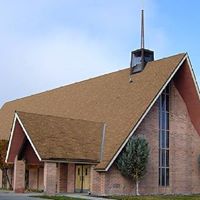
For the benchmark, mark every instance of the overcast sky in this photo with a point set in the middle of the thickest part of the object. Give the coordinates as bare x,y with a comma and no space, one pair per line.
50,43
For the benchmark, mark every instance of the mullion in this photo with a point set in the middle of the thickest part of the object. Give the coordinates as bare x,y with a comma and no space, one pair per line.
163,138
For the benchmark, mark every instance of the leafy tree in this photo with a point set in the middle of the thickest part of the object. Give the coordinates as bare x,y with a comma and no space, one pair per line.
132,162
4,166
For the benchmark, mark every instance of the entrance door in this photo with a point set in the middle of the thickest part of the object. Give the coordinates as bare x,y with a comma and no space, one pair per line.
82,178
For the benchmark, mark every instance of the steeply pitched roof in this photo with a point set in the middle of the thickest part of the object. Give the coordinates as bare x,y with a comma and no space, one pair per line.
58,138
110,98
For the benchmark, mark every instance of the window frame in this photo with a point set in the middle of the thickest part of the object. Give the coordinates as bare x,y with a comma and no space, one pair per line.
164,110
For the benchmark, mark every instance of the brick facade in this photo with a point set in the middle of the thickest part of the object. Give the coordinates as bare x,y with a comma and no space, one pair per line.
41,179
53,178
97,183
62,178
184,151
36,178
71,177
19,176
59,178
50,178
33,178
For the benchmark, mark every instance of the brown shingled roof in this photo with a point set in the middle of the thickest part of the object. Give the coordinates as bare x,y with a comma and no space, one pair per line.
63,138
109,98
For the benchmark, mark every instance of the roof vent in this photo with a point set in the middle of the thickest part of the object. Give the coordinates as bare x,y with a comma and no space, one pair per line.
140,57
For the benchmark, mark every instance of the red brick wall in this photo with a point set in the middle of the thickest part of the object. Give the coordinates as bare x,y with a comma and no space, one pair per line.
50,178
71,177
19,176
97,183
62,178
118,184
41,178
94,183
36,178
184,151
114,186
33,178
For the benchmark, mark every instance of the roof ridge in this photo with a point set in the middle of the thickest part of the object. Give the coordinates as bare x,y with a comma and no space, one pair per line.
55,116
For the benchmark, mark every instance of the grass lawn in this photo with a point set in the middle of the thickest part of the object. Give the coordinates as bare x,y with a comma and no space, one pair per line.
179,197
163,197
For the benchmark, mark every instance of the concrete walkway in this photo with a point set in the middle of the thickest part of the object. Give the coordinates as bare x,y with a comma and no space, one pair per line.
84,196
9,195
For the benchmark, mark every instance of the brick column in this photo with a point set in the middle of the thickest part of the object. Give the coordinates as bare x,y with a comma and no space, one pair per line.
98,182
103,183
19,176
50,178
70,177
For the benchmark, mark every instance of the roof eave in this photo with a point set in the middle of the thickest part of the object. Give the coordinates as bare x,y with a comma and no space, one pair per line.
77,161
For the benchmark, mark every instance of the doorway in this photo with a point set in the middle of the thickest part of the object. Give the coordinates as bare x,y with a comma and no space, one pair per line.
82,183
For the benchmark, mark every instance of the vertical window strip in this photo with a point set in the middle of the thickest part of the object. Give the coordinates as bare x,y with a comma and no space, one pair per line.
164,138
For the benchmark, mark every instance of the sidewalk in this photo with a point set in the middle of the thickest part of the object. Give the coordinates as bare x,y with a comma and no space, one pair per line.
84,196
27,195
9,195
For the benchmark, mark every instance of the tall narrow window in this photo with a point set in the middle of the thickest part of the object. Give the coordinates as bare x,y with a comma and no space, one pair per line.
164,138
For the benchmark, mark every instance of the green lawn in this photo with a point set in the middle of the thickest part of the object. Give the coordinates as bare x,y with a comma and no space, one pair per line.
179,197
193,197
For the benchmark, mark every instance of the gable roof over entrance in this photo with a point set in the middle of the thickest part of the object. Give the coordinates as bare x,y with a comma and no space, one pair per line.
58,138
110,98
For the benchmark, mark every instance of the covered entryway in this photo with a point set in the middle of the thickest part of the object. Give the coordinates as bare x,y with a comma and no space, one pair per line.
28,169
82,180
51,153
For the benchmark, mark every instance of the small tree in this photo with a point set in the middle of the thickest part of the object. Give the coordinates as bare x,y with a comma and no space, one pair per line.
4,166
133,160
